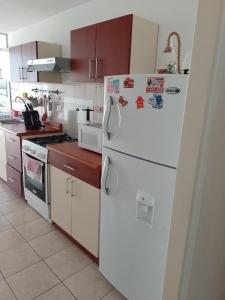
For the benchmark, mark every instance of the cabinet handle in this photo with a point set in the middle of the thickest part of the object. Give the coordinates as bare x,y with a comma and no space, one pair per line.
96,68
11,179
67,187
11,157
70,168
12,140
91,76
20,73
72,188
23,77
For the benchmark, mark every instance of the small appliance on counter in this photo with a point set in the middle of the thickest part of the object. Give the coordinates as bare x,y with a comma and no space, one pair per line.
90,136
84,115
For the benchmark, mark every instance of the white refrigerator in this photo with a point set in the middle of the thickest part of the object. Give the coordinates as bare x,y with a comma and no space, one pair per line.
142,126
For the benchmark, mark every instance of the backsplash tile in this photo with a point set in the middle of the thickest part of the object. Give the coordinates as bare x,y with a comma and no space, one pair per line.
72,96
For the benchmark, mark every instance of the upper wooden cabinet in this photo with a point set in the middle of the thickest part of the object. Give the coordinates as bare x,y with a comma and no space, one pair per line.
19,55
119,46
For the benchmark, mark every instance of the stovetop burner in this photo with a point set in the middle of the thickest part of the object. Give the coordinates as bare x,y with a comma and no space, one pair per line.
53,139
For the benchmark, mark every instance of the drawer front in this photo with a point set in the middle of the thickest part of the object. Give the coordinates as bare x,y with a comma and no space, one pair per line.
14,180
76,169
13,151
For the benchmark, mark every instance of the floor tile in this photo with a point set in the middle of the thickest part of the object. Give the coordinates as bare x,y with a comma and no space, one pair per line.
57,293
22,216
67,262
9,239
34,229
50,243
4,224
32,281
5,291
17,259
6,196
88,284
1,276
114,295
12,206
4,187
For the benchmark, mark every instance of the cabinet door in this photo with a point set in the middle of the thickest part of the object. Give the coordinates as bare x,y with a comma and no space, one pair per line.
29,51
85,215
60,198
3,160
83,53
16,63
113,47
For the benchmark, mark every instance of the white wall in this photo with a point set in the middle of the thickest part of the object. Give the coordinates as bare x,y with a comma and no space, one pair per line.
172,15
204,270
207,268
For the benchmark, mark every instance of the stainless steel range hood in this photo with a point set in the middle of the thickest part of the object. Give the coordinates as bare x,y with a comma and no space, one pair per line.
51,64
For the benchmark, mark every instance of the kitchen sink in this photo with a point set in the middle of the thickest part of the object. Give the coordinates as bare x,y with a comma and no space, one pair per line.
12,121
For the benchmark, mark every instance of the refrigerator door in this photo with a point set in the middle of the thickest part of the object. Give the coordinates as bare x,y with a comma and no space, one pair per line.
145,120
136,207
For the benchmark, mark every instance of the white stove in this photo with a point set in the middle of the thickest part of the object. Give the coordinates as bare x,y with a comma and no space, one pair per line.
35,171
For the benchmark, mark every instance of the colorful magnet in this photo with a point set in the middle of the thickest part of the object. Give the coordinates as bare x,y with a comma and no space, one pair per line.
140,102
155,85
156,101
110,85
122,101
116,86
113,86
128,83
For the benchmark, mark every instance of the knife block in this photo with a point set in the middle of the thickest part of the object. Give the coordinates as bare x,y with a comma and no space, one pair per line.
31,119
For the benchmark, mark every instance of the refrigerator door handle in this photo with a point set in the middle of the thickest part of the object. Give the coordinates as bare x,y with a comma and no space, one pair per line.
105,175
106,117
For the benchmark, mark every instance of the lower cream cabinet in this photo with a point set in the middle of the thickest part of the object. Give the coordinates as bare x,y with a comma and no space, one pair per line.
60,199
75,207
3,160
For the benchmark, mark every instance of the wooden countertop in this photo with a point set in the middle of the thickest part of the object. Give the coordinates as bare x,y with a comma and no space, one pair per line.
72,151
20,130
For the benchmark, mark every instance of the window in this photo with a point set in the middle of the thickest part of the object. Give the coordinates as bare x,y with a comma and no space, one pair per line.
5,102
3,41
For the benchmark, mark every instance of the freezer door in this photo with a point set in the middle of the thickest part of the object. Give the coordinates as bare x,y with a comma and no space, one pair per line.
143,123
136,207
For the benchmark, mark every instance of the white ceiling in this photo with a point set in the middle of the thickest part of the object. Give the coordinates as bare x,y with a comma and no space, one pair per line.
15,14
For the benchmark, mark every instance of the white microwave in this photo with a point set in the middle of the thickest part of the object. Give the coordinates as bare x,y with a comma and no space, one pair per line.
90,137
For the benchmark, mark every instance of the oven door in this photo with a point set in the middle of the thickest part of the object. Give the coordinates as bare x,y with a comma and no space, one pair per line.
35,176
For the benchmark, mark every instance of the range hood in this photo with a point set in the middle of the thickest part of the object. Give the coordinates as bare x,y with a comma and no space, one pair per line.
51,64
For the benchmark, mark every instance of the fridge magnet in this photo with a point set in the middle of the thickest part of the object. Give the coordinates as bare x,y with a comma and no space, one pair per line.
173,90
122,101
116,86
155,85
110,85
156,101
140,102
128,83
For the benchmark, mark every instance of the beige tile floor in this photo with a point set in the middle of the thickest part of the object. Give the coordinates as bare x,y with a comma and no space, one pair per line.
38,262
